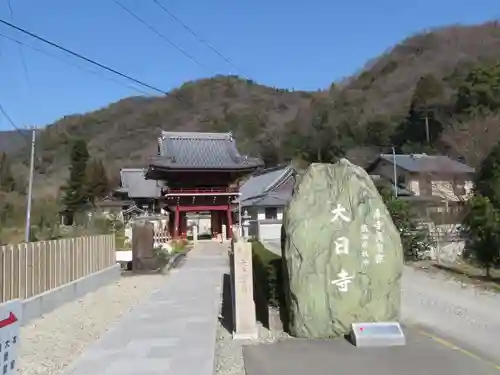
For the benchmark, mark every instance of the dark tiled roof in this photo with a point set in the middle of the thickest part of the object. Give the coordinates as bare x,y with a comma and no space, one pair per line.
428,163
258,190
186,150
136,185
263,181
269,200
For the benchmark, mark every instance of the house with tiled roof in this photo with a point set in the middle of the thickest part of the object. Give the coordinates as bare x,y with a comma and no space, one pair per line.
426,175
437,183
138,195
264,197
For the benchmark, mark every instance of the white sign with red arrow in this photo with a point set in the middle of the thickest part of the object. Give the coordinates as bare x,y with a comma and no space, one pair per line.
10,323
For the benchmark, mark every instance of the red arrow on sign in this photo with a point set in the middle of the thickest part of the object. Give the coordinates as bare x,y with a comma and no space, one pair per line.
11,319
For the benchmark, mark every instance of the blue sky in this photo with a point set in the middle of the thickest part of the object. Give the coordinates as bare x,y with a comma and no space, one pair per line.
283,43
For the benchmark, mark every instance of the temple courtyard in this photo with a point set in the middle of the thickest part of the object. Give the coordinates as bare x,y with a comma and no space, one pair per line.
183,326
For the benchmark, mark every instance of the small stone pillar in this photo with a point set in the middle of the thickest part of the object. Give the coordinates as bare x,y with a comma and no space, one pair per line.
195,233
245,322
224,233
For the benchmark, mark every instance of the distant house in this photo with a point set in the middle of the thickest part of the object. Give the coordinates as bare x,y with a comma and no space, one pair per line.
264,196
438,182
140,196
427,175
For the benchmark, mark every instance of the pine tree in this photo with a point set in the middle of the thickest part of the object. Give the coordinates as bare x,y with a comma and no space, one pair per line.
75,195
7,181
97,183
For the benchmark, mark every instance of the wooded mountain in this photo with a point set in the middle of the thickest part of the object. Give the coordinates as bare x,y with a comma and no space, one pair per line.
433,76
12,140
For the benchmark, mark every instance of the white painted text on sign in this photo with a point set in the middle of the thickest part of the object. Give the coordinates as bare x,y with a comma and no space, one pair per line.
342,245
343,281
340,213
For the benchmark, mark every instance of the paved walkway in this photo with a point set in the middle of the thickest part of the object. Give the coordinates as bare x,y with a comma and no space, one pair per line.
174,332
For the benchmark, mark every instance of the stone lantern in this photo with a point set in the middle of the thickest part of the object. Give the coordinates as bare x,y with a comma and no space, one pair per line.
245,223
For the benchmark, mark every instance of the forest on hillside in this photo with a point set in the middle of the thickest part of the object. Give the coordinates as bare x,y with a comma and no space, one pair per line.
435,92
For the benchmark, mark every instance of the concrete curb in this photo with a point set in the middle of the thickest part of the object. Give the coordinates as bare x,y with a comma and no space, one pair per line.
44,303
174,261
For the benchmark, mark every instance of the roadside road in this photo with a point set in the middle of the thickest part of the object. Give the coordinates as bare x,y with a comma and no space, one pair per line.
464,314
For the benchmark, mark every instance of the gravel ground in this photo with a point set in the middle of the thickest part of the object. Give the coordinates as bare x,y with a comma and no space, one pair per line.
52,342
460,311
228,352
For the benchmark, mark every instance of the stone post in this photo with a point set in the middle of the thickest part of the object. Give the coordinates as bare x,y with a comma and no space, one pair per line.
143,256
224,233
195,233
245,323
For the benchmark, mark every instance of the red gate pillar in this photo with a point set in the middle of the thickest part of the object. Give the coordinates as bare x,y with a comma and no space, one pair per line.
183,224
229,222
176,223
212,223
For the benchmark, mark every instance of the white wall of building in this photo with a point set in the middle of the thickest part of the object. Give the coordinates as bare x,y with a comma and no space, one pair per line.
265,222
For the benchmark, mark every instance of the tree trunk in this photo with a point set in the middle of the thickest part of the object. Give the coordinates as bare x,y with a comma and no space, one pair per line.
488,272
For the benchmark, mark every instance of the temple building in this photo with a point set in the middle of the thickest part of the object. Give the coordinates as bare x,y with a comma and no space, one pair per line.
199,172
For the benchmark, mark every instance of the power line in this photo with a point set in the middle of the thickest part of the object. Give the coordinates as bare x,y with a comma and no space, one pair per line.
21,52
93,62
72,64
193,33
12,123
165,38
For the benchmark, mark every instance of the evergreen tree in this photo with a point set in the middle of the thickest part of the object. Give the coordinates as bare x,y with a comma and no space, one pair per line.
97,183
482,232
75,195
487,181
7,181
480,90
423,116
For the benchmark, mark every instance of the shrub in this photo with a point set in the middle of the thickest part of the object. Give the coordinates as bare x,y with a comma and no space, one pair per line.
179,245
267,275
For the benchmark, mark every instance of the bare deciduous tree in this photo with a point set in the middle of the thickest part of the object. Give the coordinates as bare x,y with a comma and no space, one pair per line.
472,138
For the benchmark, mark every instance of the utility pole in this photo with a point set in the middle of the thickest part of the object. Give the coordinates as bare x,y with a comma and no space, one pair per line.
395,171
427,133
30,187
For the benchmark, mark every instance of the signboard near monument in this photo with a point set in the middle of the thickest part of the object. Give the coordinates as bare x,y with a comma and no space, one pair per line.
377,334
10,323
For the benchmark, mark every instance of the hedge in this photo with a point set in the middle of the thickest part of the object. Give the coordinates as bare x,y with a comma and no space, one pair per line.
267,275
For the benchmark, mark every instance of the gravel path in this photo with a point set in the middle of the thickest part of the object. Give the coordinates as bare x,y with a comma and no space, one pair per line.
462,312
52,342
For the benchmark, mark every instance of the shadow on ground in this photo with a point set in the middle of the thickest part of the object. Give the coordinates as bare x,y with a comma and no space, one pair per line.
226,316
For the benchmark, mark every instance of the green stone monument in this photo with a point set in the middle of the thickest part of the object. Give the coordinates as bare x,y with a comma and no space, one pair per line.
343,257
